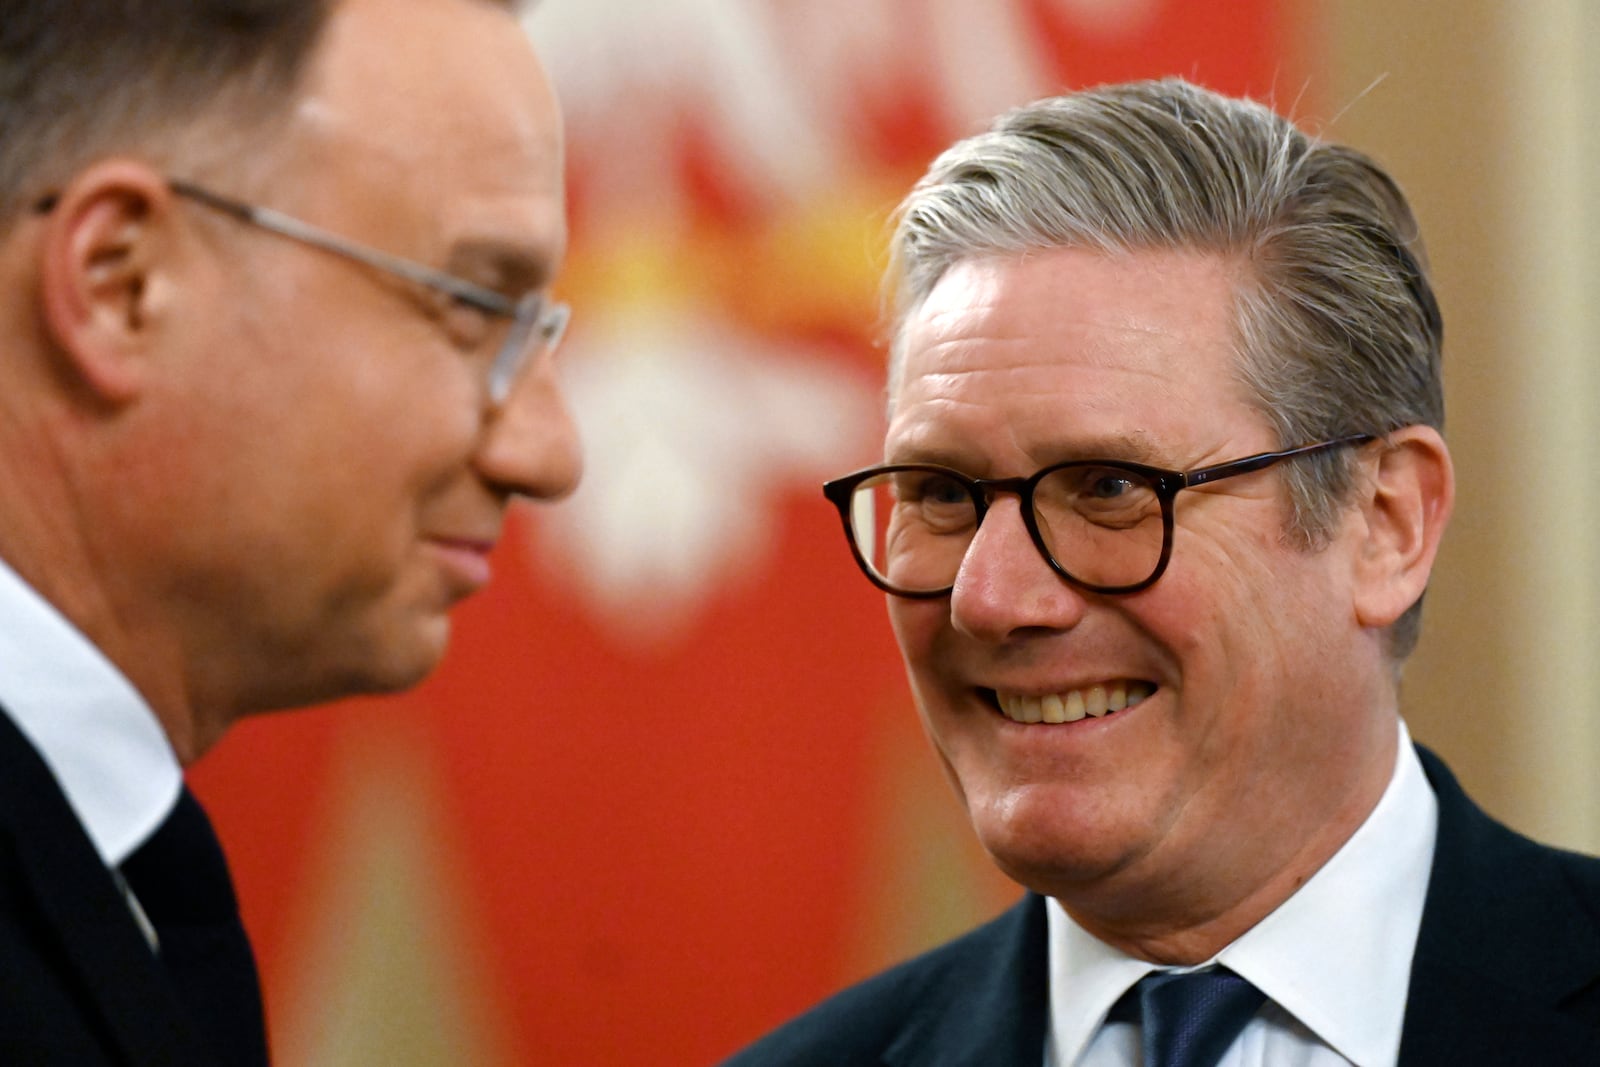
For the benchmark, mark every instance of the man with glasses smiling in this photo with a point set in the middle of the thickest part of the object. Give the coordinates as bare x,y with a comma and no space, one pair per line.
277,356
1163,485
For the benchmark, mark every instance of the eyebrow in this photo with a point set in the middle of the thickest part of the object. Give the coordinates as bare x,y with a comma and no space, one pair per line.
511,267
1134,446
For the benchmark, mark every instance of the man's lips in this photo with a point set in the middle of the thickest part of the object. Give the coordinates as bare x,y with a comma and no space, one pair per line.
465,559
1091,701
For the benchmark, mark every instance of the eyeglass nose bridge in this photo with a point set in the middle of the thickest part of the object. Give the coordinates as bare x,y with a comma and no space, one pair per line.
984,492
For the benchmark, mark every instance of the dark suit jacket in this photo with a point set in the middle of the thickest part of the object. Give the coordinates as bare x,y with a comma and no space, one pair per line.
79,984
1507,971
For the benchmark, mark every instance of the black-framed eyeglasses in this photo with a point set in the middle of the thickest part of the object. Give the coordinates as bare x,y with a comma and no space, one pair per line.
1103,525
534,325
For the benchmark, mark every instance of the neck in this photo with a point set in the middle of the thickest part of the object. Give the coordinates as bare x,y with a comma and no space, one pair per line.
58,566
1188,920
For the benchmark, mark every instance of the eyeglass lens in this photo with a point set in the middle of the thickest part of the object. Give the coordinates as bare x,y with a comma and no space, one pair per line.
537,328
1102,525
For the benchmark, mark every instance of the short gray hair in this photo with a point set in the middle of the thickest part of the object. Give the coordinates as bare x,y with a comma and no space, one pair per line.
1338,329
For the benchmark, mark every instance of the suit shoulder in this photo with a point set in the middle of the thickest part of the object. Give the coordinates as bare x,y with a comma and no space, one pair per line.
1581,872
1476,851
852,1028
1502,904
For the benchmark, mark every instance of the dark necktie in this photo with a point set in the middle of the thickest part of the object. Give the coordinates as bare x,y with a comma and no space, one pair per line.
1188,1020
180,879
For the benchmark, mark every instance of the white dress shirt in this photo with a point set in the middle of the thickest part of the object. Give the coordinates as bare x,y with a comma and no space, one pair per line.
1334,959
99,738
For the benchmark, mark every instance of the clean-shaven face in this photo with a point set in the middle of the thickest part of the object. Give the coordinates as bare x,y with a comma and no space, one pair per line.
1215,727
349,474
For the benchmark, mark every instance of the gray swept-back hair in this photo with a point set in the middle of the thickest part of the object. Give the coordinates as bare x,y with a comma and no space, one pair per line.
1338,332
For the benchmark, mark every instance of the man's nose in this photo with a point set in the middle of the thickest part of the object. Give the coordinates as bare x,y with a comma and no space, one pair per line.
1005,585
530,446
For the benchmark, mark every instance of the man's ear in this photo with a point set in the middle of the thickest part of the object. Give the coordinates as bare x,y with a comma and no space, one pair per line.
1406,501
100,256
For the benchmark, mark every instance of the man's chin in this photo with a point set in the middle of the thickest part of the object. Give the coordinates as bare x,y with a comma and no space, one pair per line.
1038,842
389,663
409,663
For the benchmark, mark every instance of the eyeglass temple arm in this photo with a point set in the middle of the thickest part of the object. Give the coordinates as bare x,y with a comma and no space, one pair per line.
1267,459
288,226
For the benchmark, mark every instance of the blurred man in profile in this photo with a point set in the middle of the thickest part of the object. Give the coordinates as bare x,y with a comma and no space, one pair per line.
1163,486
276,356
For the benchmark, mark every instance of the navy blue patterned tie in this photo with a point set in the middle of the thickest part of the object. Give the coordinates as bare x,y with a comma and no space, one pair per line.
1189,1020
180,878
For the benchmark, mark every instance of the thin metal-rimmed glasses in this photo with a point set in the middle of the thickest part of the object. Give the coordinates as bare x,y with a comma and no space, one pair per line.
535,324
1103,525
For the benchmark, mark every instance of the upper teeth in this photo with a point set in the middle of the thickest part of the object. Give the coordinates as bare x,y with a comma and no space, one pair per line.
1095,700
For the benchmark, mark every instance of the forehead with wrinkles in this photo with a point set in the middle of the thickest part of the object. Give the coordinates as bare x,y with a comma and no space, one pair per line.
1074,345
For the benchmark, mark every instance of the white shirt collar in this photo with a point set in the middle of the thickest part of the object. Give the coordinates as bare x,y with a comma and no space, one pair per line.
97,735
1345,980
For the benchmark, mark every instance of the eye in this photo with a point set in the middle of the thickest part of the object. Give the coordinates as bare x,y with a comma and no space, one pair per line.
929,490
933,502
469,326
1110,485
1094,484
936,490
1103,495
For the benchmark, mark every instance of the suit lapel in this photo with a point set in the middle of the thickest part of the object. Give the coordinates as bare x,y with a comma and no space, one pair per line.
989,1008
1503,944
86,913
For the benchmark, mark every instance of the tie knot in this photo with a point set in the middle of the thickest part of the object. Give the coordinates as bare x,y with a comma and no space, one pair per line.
180,875
1188,1019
